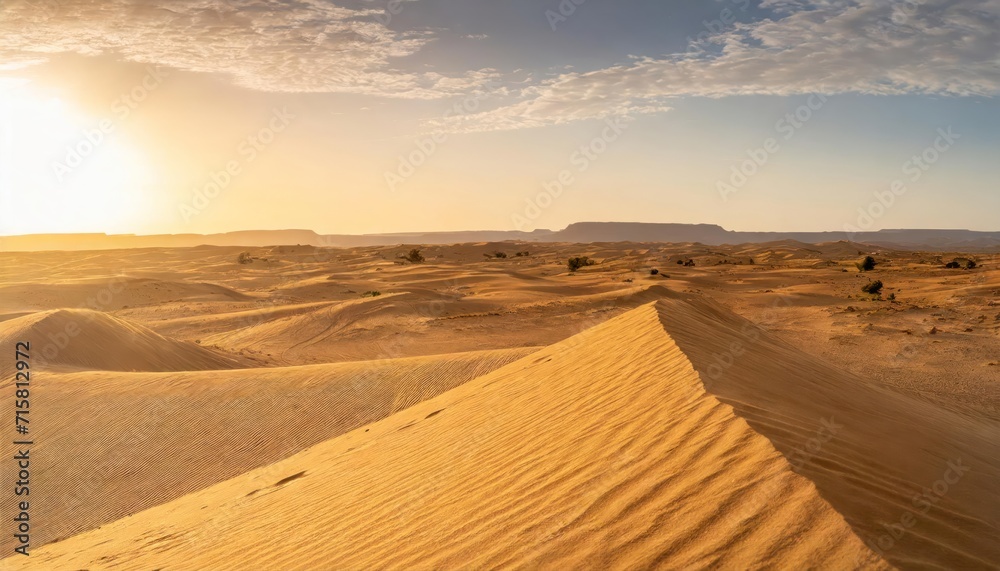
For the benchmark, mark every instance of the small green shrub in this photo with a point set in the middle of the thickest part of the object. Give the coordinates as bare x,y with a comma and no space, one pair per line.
874,288
414,256
867,265
578,262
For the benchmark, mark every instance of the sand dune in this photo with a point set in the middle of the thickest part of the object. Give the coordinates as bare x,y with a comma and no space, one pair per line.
86,339
307,336
140,439
109,294
869,450
602,451
592,455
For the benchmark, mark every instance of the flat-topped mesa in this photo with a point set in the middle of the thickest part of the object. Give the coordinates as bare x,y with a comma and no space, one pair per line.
643,232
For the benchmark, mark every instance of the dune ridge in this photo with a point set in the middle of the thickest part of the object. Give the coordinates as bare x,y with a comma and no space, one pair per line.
601,451
88,339
870,450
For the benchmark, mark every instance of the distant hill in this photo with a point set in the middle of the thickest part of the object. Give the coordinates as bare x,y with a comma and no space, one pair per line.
713,235
583,232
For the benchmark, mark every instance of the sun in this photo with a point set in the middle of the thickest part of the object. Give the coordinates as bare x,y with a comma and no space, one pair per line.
64,171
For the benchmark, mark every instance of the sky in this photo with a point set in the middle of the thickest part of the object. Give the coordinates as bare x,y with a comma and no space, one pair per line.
358,116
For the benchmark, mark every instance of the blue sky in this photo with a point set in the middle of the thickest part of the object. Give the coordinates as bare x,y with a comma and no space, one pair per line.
448,114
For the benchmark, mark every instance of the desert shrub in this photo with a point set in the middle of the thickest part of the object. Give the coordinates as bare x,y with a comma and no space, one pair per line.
874,288
654,271
244,258
372,293
866,265
579,262
961,263
414,256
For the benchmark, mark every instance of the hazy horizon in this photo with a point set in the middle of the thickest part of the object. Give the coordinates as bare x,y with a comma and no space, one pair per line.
356,117
471,230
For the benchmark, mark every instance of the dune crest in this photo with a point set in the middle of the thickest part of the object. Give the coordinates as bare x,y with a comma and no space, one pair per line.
875,454
87,339
602,451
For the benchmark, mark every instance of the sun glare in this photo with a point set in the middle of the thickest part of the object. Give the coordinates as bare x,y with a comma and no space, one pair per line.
60,173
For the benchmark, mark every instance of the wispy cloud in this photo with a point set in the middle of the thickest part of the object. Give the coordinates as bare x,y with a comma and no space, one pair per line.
269,45
940,47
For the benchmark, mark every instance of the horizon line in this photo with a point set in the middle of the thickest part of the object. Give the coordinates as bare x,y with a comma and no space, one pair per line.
512,231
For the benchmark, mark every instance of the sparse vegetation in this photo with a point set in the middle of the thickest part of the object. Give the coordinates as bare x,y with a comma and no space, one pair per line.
874,288
244,258
414,256
961,263
867,265
372,293
579,262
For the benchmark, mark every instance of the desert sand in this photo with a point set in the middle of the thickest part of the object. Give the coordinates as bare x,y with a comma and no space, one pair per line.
752,410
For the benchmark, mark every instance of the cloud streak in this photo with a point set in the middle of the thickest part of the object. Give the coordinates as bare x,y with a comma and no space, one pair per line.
930,47
267,45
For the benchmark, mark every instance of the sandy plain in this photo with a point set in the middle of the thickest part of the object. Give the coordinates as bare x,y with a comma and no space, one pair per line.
753,410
